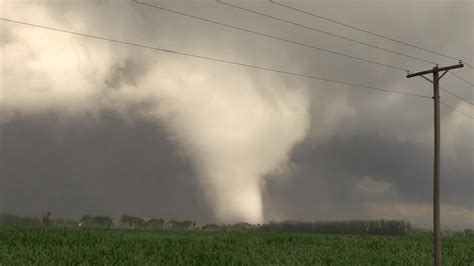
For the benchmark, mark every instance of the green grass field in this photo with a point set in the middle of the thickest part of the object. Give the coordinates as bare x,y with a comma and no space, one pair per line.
145,247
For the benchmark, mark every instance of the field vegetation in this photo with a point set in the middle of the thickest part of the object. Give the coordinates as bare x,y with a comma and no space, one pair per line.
134,240
53,246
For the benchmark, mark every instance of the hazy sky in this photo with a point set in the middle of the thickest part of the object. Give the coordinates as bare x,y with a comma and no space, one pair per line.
93,127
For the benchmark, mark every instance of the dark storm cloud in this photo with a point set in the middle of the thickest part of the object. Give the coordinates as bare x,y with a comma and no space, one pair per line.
344,160
116,165
109,167
328,177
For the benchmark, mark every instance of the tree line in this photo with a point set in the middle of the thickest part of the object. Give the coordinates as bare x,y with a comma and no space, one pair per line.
371,227
89,221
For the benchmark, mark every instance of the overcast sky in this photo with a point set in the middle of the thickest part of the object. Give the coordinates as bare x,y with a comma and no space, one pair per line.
93,127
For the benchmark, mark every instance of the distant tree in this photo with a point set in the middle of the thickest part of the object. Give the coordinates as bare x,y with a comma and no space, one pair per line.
60,222
139,222
126,221
211,227
102,221
382,227
46,219
242,226
86,221
182,225
155,223
132,222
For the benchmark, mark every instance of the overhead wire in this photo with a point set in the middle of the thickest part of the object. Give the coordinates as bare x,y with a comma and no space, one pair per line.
324,32
224,61
278,38
271,36
457,110
366,31
469,65
214,59
457,96
297,24
371,33
461,78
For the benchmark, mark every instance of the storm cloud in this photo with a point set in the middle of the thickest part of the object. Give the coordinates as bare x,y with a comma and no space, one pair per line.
80,133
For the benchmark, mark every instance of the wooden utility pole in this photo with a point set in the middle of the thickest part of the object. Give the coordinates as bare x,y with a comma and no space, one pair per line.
436,185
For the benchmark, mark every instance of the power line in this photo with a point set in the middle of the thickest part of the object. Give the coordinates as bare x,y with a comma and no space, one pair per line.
225,61
272,36
285,40
164,50
366,31
457,96
328,33
470,66
468,82
325,32
461,79
457,110
375,34
278,38
214,59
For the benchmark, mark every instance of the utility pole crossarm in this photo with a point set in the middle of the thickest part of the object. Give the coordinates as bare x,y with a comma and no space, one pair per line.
430,71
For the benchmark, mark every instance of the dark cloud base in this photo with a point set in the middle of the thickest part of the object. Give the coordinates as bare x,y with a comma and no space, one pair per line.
109,165
326,177
106,167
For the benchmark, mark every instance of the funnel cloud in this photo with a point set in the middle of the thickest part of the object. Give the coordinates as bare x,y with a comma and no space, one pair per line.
236,133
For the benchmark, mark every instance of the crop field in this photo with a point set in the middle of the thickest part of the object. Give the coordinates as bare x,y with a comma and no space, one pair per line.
144,247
